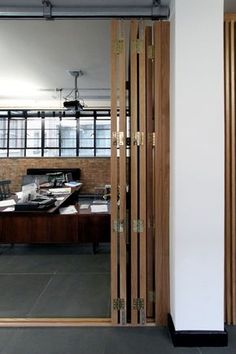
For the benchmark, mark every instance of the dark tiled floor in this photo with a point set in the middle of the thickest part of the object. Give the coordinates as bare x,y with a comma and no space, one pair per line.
99,341
54,281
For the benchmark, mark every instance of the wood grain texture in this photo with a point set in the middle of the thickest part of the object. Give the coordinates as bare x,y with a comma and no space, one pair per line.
134,168
122,174
230,167
150,174
142,174
162,35
233,167
114,172
228,284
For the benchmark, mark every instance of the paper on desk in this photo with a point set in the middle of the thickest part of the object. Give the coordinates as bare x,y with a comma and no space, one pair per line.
7,202
60,198
19,195
9,209
73,184
99,208
84,206
60,190
68,210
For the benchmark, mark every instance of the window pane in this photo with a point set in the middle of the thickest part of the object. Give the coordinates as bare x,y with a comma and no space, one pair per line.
103,124
52,123
33,152
68,123
51,134
68,152
16,143
51,152
103,134
34,134
68,143
51,142
86,152
16,153
3,142
103,152
68,133
34,143
103,143
3,153
34,123
86,142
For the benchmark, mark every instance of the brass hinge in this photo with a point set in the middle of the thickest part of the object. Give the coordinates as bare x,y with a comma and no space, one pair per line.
138,138
118,304
118,138
138,225
118,46
118,226
138,304
151,52
138,45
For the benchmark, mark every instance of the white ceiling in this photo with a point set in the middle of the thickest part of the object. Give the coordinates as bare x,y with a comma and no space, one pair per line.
37,55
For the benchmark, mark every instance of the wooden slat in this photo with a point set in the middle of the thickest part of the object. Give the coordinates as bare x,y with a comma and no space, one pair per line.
161,38
233,168
228,285
114,184
150,171
230,16
134,169
122,175
142,172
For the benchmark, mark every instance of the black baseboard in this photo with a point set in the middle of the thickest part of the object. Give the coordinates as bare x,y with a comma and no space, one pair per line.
197,338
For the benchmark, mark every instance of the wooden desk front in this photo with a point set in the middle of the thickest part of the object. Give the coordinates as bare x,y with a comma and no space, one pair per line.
47,227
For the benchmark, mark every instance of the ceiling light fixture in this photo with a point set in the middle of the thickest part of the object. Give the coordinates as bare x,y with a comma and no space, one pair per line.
75,105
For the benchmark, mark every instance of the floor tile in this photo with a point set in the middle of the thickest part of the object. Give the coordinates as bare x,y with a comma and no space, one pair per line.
57,341
231,349
18,293
6,336
95,263
75,295
149,340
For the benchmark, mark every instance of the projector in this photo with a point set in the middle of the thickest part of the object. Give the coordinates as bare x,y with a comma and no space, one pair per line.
73,105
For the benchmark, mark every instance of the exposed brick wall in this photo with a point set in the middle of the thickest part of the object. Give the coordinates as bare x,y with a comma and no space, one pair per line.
94,171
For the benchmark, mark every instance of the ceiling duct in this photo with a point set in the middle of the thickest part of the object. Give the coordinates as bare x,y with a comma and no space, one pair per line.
47,11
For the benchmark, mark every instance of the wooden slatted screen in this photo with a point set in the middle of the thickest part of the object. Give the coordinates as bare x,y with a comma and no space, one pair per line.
230,169
141,258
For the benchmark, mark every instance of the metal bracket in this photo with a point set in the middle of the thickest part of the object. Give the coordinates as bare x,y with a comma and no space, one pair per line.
138,45
151,52
138,304
138,225
153,139
138,138
47,9
118,304
118,226
118,46
118,138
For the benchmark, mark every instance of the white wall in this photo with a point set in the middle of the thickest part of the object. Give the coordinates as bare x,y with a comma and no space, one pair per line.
197,165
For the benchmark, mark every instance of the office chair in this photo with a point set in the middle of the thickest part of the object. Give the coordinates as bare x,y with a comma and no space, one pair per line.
5,189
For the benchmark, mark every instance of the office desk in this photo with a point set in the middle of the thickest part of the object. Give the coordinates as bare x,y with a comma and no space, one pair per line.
51,227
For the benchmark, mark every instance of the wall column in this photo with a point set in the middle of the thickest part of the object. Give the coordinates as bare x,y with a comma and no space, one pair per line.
197,173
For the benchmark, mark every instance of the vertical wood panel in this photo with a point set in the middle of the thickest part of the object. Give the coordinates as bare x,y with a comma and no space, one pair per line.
134,170
228,287
162,33
150,170
114,184
233,168
230,169
122,172
142,172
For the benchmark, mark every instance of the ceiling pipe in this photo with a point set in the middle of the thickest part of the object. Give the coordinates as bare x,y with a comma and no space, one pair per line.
155,12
